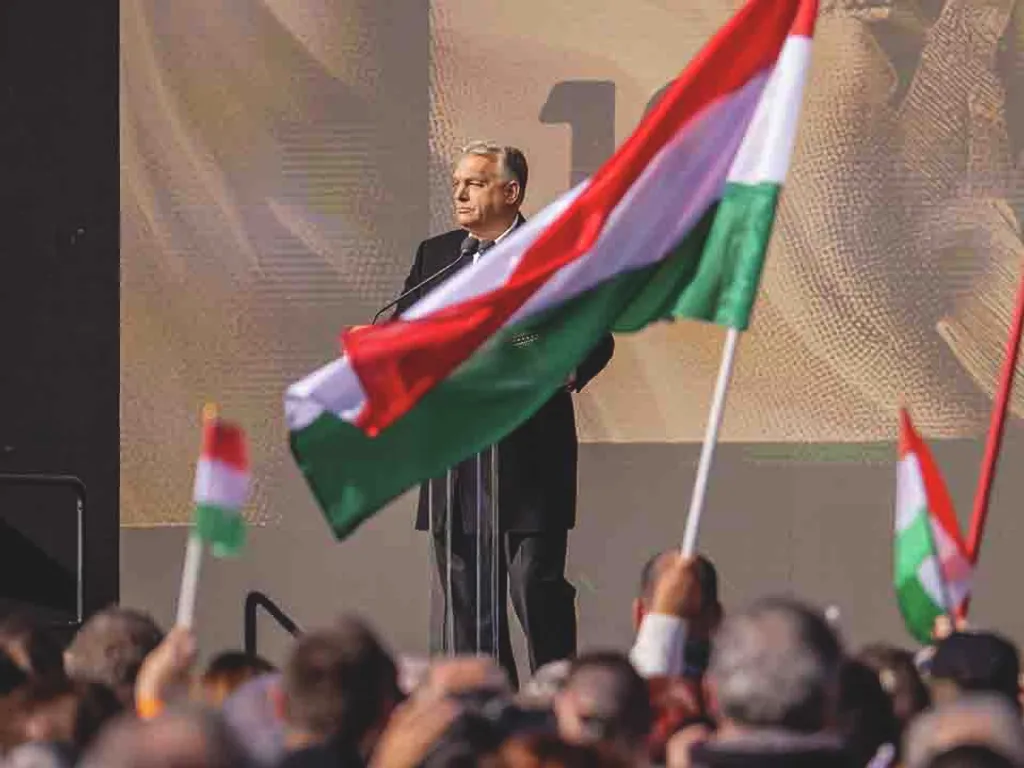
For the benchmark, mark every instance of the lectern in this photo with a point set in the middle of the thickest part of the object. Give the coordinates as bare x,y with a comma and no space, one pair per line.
463,508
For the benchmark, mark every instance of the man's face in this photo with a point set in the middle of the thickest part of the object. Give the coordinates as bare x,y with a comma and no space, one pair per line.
483,198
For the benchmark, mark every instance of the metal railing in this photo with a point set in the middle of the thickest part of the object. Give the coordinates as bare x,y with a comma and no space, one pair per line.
253,602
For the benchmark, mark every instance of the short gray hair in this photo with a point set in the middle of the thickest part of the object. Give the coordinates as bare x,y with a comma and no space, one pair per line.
511,160
980,719
776,665
110,648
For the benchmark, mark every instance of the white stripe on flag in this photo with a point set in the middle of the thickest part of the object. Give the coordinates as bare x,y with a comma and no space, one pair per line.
911,500
768,145
220,485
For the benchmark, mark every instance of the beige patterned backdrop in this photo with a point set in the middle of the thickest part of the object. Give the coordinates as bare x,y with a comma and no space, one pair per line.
282,158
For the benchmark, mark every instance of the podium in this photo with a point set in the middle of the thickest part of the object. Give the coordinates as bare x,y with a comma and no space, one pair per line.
467,597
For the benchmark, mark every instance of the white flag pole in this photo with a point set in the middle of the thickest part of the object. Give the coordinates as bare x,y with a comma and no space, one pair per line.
190,582
193,557
707,451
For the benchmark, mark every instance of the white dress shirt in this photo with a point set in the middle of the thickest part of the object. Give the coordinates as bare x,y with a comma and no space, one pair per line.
476,256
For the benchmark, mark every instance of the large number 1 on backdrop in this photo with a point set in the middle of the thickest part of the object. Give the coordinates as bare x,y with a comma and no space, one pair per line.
588,108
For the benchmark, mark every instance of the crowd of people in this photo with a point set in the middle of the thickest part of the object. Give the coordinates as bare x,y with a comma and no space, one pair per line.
769,684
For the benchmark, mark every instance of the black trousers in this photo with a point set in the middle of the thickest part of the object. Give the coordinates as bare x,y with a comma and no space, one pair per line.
531,568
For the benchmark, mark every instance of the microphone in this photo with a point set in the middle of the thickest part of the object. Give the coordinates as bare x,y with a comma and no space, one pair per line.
469,246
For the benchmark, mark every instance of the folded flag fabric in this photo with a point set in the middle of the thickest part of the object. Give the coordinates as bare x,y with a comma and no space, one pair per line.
932,571
222,487
676,224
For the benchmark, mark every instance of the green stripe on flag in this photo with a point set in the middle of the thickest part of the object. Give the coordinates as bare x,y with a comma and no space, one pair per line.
714,273
913,546
918,609
222,529
518,370
724,288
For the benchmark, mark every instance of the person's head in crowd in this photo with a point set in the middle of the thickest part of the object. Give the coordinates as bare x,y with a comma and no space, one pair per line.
32,646
605,701
177,739
700,629
975,662
468,741
488,186
900,679
973,719
97,706
547,682
339,683
464,677
412,673
677,704
12,675
110,648
12,679
251,714
46,711
776,665
227,671
866,719
970,756
550,751
57,711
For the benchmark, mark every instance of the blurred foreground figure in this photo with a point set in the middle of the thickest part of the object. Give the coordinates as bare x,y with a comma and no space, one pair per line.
110,648
774,676
604,701
975,662
985,721
186,739
338,689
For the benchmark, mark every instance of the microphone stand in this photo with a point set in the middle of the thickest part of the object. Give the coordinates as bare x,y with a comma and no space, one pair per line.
470,245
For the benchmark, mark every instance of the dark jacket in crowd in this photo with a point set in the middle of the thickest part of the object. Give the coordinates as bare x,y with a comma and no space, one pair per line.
772,749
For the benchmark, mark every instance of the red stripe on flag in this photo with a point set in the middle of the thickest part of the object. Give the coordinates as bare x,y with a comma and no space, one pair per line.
940,506
401,361
226,443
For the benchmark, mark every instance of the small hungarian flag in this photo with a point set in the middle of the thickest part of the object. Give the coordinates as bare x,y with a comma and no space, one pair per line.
932,571
675,225
222,487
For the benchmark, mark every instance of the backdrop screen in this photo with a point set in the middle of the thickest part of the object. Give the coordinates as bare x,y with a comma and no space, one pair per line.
281,159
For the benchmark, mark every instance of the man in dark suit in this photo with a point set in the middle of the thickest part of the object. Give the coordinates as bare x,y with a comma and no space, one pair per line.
536,483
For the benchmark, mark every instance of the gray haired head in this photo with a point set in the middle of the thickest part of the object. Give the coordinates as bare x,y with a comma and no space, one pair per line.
776,665
979,719
511,160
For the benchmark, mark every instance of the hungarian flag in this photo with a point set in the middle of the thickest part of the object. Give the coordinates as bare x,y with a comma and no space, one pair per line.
932,570
675,224
222,487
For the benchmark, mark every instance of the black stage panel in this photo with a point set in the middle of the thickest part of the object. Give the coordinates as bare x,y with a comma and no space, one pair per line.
59,316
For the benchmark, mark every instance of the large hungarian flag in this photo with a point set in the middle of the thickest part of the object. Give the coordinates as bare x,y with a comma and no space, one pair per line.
675,224
932,570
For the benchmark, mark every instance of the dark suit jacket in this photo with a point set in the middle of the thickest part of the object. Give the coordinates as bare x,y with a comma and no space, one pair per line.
537,462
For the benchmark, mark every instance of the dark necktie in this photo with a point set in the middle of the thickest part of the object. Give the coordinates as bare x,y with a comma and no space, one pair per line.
485,245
